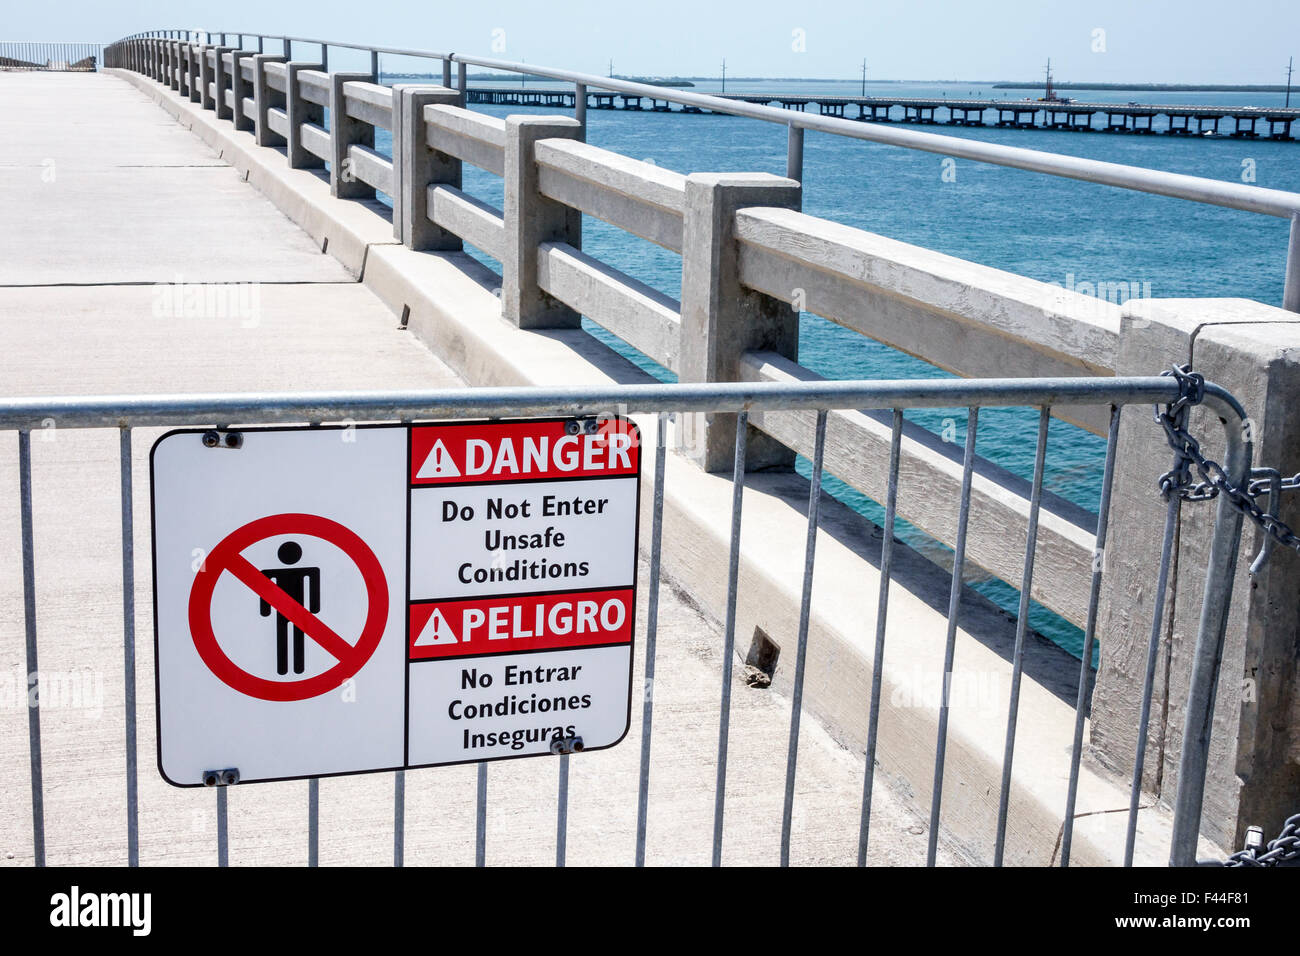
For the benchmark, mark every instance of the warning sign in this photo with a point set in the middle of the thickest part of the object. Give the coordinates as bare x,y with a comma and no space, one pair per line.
335,600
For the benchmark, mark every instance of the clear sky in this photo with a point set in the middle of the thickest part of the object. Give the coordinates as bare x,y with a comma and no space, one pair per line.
1100,40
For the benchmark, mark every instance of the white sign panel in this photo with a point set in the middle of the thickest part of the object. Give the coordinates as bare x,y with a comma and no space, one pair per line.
338,600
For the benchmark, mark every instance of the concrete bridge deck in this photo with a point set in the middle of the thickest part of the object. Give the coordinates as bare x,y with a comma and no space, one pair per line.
119,226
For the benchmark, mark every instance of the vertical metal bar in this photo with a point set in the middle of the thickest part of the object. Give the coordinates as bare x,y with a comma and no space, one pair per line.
374,64
652,633
1089,634
128,651
461,76
562,812
399,818
325,57
729,634
480,836
259,44
1291,291
882,608
794,152
1022,626
446,73
580,103
223,835
950,648
1201,688
801,654
33,668
313,822
1149,680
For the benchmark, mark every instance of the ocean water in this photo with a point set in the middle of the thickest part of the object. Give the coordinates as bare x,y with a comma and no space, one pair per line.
1047,228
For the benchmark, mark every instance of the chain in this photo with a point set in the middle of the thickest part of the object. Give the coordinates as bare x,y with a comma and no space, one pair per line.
1283,849
1214,481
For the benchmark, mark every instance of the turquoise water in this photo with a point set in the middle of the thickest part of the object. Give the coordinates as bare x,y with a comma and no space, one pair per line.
1050,229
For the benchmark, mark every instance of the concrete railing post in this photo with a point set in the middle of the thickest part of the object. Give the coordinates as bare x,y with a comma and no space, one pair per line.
530,220
721,319
174,65
1253,350
180,76
183,70
265,97
221,78
206,99
241,90
416,166
300,110
155,60
189,73
196,73
345,132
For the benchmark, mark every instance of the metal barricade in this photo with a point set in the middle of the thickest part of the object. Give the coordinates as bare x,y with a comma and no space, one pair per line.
662,402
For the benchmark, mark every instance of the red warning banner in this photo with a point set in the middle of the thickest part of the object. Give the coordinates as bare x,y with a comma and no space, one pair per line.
527,623
515,451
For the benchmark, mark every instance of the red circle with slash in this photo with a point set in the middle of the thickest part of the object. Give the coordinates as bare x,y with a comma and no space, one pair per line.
227,556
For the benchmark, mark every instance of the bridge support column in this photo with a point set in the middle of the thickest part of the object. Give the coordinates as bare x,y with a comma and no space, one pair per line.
416,167
1253,350
722,319
265,97
241,89
346,131
530,220
300,110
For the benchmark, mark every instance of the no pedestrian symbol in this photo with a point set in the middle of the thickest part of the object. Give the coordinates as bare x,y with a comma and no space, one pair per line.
227,556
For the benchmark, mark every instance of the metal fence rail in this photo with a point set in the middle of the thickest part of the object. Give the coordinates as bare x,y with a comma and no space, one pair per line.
662,401
50,57
1241,196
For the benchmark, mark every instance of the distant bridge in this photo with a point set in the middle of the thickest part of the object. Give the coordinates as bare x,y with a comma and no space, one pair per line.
1247,122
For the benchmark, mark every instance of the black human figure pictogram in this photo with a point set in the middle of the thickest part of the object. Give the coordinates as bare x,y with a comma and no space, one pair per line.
301,584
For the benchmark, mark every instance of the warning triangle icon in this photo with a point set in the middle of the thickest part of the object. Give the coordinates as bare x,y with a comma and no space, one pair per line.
437,631
438,464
